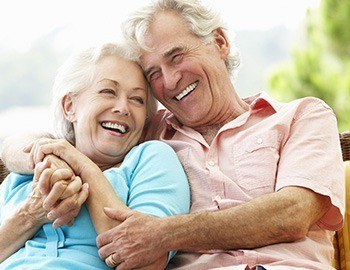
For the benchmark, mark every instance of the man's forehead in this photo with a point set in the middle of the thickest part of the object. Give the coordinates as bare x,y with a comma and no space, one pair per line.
149,56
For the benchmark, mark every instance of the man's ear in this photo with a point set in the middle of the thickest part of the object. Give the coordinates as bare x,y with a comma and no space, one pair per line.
222,43
68,107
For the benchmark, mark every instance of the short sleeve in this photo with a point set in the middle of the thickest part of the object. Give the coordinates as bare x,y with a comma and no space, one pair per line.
158,185
311,158
9,191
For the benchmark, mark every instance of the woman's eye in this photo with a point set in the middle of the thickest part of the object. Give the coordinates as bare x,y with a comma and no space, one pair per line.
138,100
107,91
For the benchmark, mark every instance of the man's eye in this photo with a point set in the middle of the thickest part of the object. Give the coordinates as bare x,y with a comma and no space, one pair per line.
107,91
154,75
177,58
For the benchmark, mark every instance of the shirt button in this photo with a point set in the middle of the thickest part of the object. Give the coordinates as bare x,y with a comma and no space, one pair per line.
211,162
259,141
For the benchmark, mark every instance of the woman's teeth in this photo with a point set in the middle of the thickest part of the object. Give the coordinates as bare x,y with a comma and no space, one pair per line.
114,126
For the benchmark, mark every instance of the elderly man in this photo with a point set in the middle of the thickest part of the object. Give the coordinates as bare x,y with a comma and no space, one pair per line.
265,177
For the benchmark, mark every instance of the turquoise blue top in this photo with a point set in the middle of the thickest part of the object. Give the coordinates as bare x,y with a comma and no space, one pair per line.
150,180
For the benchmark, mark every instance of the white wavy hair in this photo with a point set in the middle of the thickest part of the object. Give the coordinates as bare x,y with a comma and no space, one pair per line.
77,75
201,20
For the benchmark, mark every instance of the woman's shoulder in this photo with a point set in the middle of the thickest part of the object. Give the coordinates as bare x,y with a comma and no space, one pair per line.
151,147
154,150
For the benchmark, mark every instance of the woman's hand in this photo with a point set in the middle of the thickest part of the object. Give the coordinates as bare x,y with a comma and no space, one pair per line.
63,192
33,209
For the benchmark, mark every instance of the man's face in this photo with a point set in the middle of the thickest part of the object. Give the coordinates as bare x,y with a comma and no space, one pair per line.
187,76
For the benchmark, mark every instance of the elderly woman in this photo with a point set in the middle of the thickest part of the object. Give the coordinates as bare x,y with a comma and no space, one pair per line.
101,104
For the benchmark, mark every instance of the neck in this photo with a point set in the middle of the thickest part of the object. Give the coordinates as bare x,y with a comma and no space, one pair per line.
230,111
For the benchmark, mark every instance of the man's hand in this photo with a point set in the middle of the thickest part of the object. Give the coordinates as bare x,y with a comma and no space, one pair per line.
135,243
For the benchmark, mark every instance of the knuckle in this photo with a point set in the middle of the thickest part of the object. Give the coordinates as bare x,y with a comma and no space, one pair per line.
61,185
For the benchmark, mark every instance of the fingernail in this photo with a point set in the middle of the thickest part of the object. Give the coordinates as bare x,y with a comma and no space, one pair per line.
31,166
50,216
86,186
55,225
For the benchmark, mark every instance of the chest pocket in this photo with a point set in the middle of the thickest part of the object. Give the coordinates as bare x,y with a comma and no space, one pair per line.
255,161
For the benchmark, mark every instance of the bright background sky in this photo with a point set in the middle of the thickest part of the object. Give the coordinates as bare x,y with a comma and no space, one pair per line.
84,23
88,23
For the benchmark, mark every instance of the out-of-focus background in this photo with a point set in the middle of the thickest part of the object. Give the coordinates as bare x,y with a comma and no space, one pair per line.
289,48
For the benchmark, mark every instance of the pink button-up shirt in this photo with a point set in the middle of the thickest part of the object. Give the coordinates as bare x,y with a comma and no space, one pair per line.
271,146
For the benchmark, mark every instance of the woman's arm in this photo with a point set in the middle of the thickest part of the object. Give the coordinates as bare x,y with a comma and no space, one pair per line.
26,220
148,192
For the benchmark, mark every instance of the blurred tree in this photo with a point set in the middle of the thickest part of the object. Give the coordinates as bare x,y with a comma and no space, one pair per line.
321,66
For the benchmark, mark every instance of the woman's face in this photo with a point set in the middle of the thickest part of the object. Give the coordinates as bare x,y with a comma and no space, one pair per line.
109,117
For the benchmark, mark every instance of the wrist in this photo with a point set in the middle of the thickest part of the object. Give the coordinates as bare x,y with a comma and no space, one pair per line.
176,232
31,212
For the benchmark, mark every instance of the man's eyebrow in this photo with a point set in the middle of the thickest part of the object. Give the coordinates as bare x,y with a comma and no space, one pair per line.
165,55
173,51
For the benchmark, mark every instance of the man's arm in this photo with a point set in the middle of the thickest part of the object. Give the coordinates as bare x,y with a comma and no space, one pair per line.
284,216
13,156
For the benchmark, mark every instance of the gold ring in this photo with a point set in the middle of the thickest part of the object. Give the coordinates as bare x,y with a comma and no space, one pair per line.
111,261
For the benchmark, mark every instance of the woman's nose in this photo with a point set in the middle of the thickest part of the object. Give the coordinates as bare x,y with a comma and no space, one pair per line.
121,107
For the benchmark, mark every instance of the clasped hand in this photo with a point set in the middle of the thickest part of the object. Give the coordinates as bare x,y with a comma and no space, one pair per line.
63,191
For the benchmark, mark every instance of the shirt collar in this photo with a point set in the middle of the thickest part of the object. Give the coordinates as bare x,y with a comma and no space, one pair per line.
255,102
262,100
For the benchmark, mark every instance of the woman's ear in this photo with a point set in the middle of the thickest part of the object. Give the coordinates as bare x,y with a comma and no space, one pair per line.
68,107
222,43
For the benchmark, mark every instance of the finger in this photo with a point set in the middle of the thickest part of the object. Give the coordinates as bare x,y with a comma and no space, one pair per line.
123,266
28,147
111,260
63,174
39,168
38,154
72,188
117,214
69,207
44,181
108,249
83,194
67,219
54,195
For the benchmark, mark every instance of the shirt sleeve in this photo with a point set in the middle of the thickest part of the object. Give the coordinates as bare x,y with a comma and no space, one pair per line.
158,185
311,158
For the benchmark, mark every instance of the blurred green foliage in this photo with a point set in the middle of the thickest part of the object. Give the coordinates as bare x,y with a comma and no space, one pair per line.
320,65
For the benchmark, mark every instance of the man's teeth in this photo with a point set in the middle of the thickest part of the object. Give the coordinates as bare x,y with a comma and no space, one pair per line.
188,90
115,126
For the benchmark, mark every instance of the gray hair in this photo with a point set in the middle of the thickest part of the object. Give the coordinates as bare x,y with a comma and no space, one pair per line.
201,20
76,75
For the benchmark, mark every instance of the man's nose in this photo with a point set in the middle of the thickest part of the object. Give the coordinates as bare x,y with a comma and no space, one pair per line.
171,77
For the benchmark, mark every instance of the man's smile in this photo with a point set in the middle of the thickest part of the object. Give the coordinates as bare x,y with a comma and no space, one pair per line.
188,90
